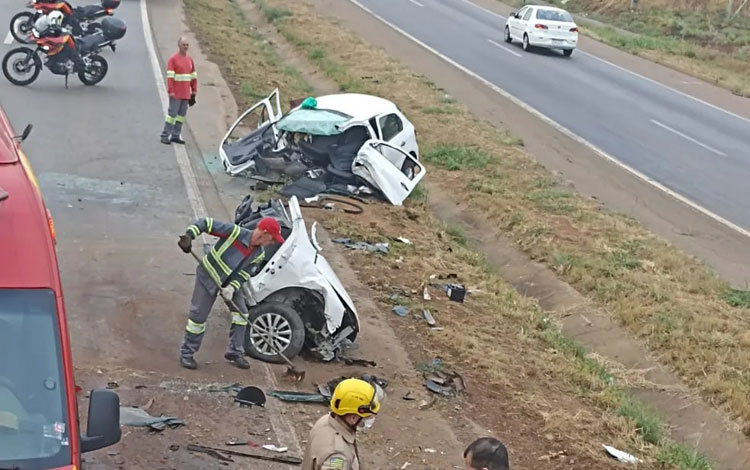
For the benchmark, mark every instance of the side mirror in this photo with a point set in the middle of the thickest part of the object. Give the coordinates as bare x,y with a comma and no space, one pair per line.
25,133
103,428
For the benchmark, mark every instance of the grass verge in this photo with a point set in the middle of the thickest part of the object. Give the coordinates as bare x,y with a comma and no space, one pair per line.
669,299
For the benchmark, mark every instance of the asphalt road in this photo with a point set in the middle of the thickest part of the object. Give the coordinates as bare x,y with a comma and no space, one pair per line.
117,199
689,147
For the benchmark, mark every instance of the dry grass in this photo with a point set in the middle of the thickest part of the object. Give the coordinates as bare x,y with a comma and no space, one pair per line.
496,326
663,295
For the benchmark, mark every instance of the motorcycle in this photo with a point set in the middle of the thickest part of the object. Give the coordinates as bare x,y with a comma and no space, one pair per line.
27,62
80,20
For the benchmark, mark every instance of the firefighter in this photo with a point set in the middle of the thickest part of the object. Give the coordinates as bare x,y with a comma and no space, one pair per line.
224,265
182,86
332,444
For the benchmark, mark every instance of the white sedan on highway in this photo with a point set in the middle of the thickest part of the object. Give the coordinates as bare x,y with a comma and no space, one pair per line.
542,26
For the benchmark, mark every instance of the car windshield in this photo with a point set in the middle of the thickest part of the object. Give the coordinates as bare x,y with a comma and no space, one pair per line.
33,415
553,15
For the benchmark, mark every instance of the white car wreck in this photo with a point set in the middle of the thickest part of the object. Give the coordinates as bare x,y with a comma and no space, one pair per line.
294,297
343,143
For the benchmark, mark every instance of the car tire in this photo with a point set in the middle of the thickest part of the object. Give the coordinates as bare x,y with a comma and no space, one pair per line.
281,317
508,39
567,52
526,45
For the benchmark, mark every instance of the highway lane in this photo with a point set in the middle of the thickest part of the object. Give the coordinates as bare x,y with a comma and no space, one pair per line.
689,147
117,199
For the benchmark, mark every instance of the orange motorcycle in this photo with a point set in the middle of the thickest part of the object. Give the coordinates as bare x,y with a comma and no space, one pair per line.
80,20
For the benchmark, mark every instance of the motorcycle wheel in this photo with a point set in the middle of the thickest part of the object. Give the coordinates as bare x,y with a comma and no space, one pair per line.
95,71
20,27
29,63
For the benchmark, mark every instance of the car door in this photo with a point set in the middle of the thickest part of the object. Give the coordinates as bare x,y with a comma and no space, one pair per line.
515,22
394,129
265,112
388,169
523,23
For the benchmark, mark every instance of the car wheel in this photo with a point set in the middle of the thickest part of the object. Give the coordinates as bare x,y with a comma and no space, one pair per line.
567,52
278,323
507,35
526,45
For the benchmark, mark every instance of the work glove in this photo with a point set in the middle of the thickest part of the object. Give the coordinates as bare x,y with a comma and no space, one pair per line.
191,101
185,243
227,293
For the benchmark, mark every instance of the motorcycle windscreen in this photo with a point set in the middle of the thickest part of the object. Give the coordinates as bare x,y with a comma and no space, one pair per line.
388,169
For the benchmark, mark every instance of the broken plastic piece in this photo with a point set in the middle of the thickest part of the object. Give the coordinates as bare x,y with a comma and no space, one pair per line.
456,292
403,240
364,246
309,103
437,388
400,310
620,455
133,416
428,317
251,396
273,448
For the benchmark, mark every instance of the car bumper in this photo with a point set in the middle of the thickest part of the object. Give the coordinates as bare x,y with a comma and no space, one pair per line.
550,43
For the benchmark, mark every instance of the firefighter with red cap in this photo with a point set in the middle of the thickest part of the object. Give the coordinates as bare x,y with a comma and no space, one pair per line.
225,264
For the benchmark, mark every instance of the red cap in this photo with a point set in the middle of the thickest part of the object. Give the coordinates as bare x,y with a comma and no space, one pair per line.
272,227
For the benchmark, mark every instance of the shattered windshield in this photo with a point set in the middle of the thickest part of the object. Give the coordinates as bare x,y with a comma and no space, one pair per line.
313,121
33,416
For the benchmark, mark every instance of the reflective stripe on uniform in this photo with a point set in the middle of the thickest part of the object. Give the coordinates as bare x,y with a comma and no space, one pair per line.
195,328
209,224
170,120
194,75
179,118
210,270
238,319
194,230
170,73
259,258
236,285
230,239
222,265
243,274
183,77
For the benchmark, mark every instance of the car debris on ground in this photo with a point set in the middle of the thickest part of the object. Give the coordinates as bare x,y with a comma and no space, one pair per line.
225,455
346,144
325,391
620,455
364,246
440,381
134,416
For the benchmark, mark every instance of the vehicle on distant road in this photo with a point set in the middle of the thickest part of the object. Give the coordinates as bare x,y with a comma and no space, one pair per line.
39,425
542,26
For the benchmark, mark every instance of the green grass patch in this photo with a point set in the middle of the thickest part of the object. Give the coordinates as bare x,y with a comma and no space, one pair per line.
317,54
457,157
648,424
738,298
681,457
437,110
272,14
457,234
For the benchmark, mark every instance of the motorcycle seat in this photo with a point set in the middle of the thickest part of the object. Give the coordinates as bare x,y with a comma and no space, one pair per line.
89,11
90,42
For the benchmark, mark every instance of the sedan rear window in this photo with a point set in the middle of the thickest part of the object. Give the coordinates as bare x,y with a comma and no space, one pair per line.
553,15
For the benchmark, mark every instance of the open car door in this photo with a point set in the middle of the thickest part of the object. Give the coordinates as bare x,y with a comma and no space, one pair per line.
249,132
388,169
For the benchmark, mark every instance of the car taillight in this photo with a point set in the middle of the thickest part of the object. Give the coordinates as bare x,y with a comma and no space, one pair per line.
51,227
573,30
540,26
109,11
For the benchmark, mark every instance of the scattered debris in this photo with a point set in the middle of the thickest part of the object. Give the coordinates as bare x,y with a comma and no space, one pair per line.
620,455
133,416
174,447
349,361
444,276
201,388
360,245
424,404
250,396
428,317
430,451
242,443
217,453
148,404
553,455
273,448
442,382
405,465
456,292
426,293
112,385
139,387
403,240
400,310
408,396
301,397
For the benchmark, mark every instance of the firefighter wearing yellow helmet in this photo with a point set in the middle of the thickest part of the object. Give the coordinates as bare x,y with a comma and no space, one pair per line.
332,444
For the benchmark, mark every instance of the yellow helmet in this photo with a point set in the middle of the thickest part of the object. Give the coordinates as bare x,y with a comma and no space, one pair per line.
355,396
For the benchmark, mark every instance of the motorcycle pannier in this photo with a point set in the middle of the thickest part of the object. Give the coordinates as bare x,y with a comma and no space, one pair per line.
113,28
111,4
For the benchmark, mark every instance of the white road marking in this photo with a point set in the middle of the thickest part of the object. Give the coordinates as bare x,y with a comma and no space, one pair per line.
687,137
564,130
8,39
506,49
416,3
279,422
635,74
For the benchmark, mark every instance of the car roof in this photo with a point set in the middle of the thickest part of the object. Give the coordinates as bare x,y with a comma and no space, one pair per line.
26,248
360,107
545,7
